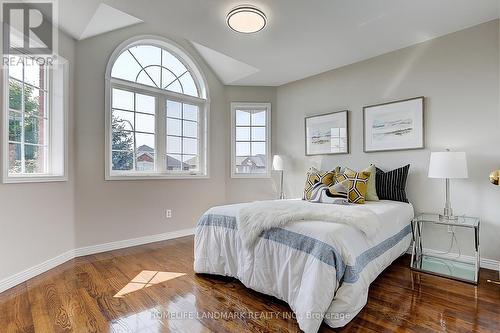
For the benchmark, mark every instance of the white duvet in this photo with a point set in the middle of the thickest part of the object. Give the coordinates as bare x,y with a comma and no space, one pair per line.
321,269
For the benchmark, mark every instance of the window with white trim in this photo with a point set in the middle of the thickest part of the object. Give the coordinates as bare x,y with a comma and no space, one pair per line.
158,113
250,140
35,126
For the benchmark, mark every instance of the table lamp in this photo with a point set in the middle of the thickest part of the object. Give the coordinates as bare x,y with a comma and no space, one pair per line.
448,165
278,165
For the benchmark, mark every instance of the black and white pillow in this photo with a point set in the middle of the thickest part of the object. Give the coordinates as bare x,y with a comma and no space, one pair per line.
392,185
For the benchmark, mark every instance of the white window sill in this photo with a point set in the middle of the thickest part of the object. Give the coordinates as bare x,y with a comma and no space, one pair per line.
34,179
250,176
114,177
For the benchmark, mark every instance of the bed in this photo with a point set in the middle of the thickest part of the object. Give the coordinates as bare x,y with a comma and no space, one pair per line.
321,269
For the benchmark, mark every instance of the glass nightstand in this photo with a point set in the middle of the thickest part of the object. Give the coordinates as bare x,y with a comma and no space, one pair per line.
454,268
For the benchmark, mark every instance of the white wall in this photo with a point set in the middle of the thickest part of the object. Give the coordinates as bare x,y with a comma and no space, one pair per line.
108,211
459,76
37,219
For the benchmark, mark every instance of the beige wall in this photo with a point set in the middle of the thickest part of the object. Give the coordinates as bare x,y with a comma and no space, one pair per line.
109,211
37,219
459,76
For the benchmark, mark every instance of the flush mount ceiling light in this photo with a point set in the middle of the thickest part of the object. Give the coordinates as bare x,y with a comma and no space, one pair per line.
246,19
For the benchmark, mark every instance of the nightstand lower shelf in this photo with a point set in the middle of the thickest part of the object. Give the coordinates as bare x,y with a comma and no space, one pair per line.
446,267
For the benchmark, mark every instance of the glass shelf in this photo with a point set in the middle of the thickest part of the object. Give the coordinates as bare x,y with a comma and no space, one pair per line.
446,267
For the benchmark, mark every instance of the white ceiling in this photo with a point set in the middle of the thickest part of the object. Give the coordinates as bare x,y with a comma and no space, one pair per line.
303,37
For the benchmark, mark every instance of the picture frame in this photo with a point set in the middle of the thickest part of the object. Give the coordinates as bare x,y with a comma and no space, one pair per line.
327,134
394,126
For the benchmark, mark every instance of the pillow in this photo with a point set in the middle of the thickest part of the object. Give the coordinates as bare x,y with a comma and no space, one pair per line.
357,184
391,185
371,189
338,190
321,194
328,178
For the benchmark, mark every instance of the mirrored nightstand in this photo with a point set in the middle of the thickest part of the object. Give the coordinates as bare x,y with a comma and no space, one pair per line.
455,268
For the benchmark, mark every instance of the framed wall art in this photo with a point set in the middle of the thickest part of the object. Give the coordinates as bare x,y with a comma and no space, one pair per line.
327,133
394,126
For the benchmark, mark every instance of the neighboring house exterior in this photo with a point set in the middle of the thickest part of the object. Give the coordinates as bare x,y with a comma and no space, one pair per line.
145,158
251,164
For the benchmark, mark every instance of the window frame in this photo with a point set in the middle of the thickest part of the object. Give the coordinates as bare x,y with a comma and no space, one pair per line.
251,106
61,66
161,96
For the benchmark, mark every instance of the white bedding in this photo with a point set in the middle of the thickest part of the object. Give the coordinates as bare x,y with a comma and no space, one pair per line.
321,269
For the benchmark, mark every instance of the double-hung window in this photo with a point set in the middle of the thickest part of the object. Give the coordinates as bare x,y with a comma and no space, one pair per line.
35,120
250,140
157,115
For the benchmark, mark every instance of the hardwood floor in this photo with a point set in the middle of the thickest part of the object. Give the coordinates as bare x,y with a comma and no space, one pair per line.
96,294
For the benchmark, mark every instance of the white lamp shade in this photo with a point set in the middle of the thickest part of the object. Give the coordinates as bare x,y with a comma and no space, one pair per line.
277,163
448,165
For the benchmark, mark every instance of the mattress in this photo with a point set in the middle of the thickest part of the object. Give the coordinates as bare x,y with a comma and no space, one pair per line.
321,269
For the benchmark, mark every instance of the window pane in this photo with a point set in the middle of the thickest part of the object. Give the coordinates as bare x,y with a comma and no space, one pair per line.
34,74
122,160
174,109
16,68
175,87
242,133
144,78
190,129
190,146
34,157
125,67
242,118
34,130
123,99
15,124
123,120
242,148
258,134
34,101
15,95
145,141
174,162
191,162
147,55
189,85
258,148
123,141
171,62
145,103
144,123
145,156
190,112
14,158
173,126
167,78
174,145
259,118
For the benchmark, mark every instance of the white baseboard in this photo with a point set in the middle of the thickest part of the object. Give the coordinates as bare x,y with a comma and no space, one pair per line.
31,272
484,262
87,250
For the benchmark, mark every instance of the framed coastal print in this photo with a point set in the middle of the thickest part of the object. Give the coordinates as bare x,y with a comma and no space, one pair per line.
327,134
394,126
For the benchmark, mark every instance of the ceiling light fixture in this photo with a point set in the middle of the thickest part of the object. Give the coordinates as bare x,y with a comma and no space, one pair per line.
246,19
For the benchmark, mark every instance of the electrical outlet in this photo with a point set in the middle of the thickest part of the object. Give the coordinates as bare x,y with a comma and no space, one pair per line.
168,213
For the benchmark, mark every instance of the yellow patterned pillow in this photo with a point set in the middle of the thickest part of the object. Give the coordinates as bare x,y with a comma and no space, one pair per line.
314,176
357,184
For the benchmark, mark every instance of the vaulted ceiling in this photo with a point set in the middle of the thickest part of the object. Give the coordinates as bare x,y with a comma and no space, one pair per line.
303,37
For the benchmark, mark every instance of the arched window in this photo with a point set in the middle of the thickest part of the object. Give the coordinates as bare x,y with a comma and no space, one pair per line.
156,114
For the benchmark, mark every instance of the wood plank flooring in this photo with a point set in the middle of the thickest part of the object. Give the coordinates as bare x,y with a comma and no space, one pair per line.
81,296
